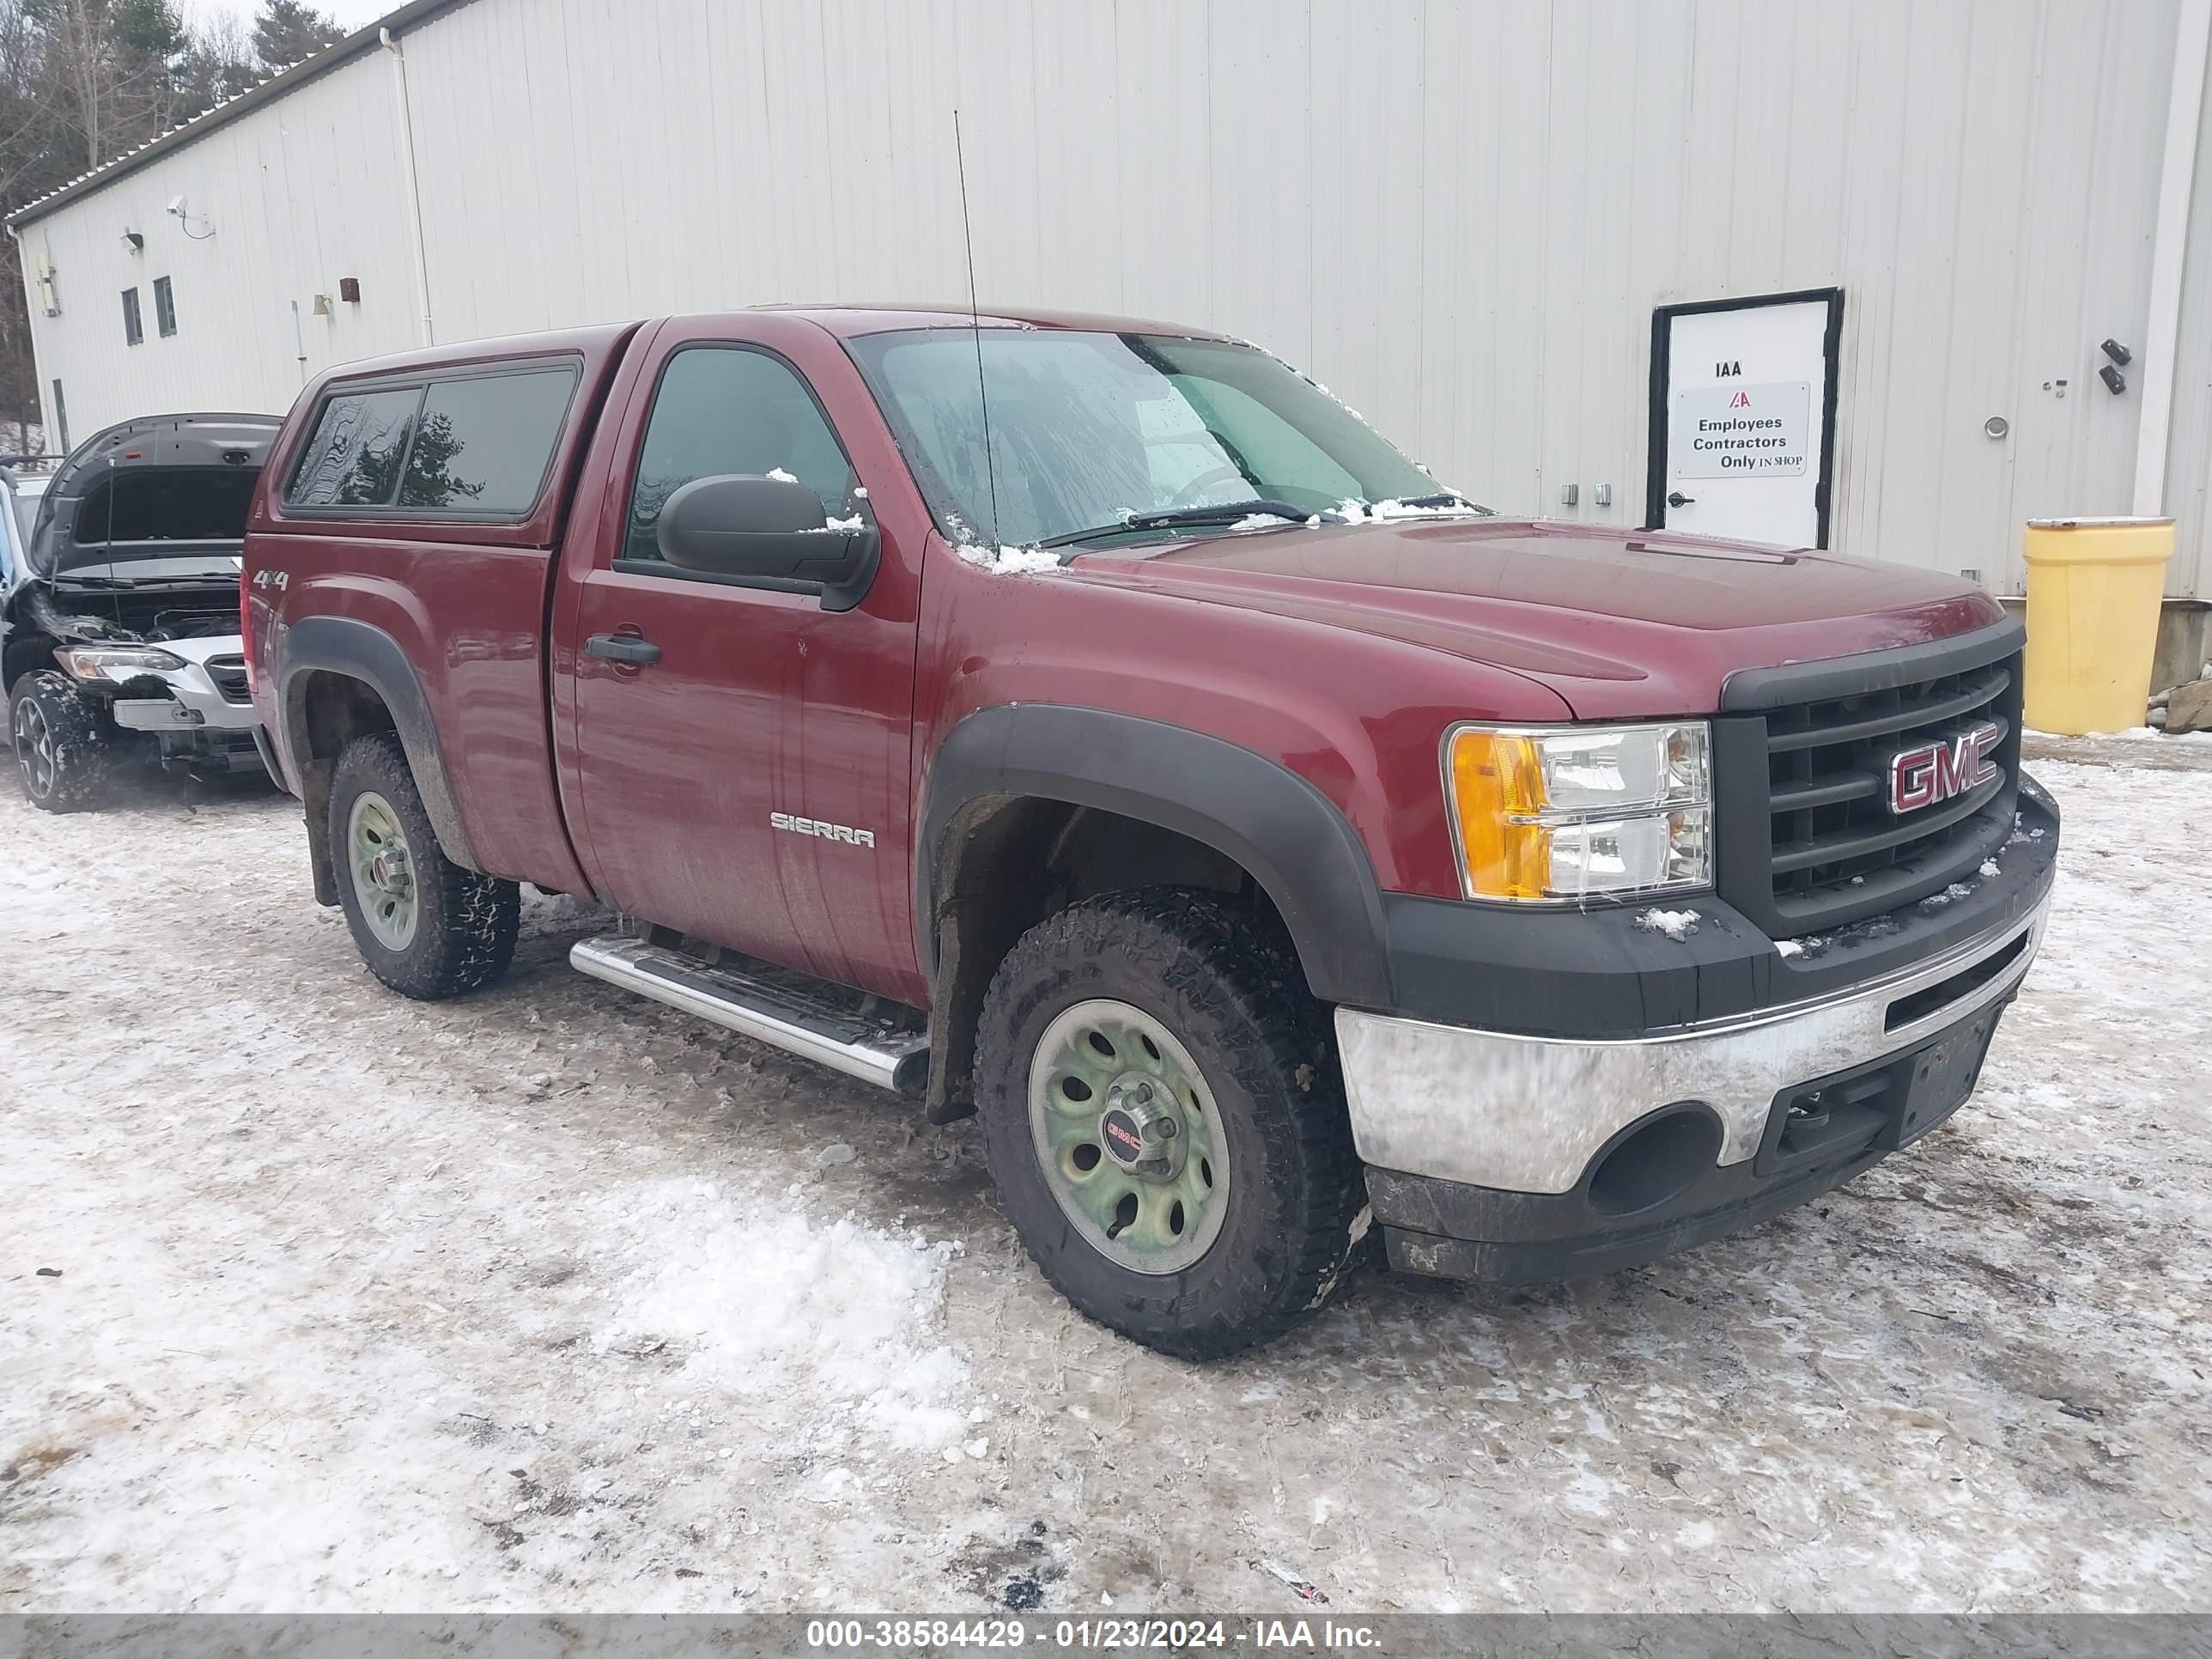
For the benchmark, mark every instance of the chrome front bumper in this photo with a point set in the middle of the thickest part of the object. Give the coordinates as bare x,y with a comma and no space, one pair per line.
1527,1114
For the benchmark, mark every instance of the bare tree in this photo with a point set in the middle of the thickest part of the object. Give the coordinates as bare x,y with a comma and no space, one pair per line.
82,82
111,64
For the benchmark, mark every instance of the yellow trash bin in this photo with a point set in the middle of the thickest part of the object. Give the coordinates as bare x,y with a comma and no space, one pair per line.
2093,587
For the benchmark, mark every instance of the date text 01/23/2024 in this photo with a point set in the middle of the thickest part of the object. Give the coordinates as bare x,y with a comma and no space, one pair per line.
1088,1635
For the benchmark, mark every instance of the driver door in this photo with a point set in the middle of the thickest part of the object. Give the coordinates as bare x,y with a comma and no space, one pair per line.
741,753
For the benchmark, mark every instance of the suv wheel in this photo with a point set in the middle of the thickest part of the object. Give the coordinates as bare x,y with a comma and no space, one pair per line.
1162,1116
425,926
65,750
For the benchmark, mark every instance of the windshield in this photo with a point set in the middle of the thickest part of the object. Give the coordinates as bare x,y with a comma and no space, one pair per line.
1087,429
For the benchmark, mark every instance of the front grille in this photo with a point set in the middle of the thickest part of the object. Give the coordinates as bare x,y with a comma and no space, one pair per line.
229,674
1807,837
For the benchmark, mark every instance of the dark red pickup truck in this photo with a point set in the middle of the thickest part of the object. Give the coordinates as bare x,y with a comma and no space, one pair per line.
1094,724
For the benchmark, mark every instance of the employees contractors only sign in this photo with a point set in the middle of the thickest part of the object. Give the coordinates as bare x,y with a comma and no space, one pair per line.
1740,431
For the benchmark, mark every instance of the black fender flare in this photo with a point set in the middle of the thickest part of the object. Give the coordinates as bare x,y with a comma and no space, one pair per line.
364,652
1291,838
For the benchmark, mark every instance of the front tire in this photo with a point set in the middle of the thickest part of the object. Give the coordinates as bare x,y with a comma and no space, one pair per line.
424,926
1161,1111
65,750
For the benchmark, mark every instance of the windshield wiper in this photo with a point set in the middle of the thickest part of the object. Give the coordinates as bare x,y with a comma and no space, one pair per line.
1214,511
1167,517
1447,498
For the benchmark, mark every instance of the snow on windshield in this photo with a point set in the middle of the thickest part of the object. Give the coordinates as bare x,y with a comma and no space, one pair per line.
1085,429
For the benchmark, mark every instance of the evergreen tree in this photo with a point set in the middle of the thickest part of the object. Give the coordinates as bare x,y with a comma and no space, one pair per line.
287,32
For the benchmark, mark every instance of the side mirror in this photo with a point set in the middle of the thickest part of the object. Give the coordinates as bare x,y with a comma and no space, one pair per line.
767,532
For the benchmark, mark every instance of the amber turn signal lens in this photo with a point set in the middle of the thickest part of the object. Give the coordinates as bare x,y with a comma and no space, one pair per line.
1575,813
1498,783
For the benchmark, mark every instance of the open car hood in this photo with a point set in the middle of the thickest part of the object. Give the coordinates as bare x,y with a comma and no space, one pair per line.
1623,624
160,491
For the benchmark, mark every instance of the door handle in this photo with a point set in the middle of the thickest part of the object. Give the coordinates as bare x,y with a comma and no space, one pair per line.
1678,499
623,649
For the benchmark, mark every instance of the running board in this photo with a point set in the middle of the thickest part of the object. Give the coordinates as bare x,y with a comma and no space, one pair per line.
816,1029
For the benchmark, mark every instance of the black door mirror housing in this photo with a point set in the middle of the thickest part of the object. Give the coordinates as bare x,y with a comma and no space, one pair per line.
767,532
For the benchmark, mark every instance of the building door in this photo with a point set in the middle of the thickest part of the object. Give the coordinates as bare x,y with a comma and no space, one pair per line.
1743,410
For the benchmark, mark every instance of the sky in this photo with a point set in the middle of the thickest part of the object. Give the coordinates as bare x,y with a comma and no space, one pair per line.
351,14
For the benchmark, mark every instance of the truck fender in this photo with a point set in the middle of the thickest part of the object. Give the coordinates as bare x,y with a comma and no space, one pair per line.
1289,837
363,652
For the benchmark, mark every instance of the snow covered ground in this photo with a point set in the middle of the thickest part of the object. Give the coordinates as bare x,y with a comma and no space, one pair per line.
315,1298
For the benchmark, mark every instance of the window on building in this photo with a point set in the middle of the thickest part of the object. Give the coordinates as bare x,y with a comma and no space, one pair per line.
61,419
724,410
133,330
484,444
165,307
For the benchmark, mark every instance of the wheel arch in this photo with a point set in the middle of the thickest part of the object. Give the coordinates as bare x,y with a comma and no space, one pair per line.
337,679
1031,807
26,652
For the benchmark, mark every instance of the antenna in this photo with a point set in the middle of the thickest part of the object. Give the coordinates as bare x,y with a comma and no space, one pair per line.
975,324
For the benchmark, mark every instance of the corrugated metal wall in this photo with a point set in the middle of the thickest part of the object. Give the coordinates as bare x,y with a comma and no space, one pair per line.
1460,216
296,195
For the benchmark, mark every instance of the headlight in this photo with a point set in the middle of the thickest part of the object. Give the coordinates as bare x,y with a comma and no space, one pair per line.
1574,811
116,662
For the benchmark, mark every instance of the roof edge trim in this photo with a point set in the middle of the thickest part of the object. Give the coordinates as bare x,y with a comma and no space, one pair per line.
366,39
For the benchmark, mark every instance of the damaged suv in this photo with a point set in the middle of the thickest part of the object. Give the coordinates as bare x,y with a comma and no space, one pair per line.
121,640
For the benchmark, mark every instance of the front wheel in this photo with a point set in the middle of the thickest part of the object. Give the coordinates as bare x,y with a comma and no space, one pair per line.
423,924
65,750
1160,1109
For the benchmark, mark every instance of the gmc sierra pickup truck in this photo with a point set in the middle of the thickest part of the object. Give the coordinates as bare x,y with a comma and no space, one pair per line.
1094,725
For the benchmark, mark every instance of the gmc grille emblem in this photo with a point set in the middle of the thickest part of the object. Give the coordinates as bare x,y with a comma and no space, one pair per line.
1932,772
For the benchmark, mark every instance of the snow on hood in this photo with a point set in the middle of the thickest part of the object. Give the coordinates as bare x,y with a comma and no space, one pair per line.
1033,560
1010,560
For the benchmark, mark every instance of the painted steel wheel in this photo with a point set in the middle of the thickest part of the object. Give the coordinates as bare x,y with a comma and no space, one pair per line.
424,925
378,860
1160,1106
1129,1136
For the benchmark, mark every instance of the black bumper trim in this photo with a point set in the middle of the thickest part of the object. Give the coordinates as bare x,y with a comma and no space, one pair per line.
1446,1230
1596,974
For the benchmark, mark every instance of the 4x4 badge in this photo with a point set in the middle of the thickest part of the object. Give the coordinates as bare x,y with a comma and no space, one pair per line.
1931,772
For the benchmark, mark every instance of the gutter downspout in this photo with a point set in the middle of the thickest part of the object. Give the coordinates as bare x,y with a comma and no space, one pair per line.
2176,184
31,310
391,42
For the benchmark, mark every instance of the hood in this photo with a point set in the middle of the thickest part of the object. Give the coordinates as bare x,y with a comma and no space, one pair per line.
1623,624
147,498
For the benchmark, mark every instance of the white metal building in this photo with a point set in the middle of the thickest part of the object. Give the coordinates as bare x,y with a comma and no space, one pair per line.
1474,219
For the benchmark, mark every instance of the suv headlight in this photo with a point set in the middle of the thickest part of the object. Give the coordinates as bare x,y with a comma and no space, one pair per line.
116,662
1576,812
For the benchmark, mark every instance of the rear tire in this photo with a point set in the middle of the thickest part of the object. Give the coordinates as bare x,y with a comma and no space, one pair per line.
65,750
1177,1005
424,926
